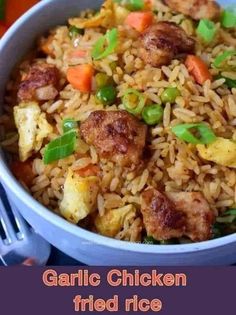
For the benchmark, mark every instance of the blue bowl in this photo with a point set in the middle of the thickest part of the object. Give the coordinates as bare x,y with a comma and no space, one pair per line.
78,243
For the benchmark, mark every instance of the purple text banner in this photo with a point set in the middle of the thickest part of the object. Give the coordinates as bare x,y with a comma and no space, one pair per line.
98,290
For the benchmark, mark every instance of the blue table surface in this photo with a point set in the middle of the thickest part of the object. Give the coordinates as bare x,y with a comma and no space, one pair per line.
58,258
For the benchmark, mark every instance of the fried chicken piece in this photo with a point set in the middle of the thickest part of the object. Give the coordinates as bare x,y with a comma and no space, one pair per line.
117,136
160,217
173,215
163,41
196,9
200,217
40,83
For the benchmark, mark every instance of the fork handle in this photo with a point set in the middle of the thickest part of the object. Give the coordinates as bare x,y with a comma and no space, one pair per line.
5,220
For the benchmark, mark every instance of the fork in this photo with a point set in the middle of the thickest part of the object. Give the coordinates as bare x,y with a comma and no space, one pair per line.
18,241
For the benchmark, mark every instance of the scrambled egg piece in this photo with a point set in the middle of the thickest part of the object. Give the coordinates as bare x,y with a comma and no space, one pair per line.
80,196
113,221
32,128
111,14
104,18
121,14
222,152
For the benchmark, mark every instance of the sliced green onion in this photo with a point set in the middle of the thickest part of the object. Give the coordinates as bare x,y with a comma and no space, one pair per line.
229,82
2,9
183,132
75,31
107,94
133,101
228,18
60,148
169,95
225,224
69,124
135,5
152,114
230,212
206,30
226,219
228,216
223,57
106,45
132,5
150,240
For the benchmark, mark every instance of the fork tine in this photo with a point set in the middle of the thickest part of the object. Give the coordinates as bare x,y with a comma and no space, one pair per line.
6,224
2,261
21,223
1,244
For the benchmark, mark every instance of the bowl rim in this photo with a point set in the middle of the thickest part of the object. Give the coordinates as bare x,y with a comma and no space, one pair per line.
10,182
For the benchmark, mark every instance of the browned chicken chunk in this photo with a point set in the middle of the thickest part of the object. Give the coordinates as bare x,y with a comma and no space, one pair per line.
117,136
160,217
200,217
162,42
196,9
174,215
40,83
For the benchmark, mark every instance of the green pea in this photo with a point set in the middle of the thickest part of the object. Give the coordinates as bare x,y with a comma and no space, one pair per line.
152,114
102,79
106,94
169,95
75,31
135,5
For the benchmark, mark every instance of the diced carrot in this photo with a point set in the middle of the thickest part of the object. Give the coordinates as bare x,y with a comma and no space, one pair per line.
139,20
80,77
15,8
78,53
90,170
23,171
197,67
3,29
